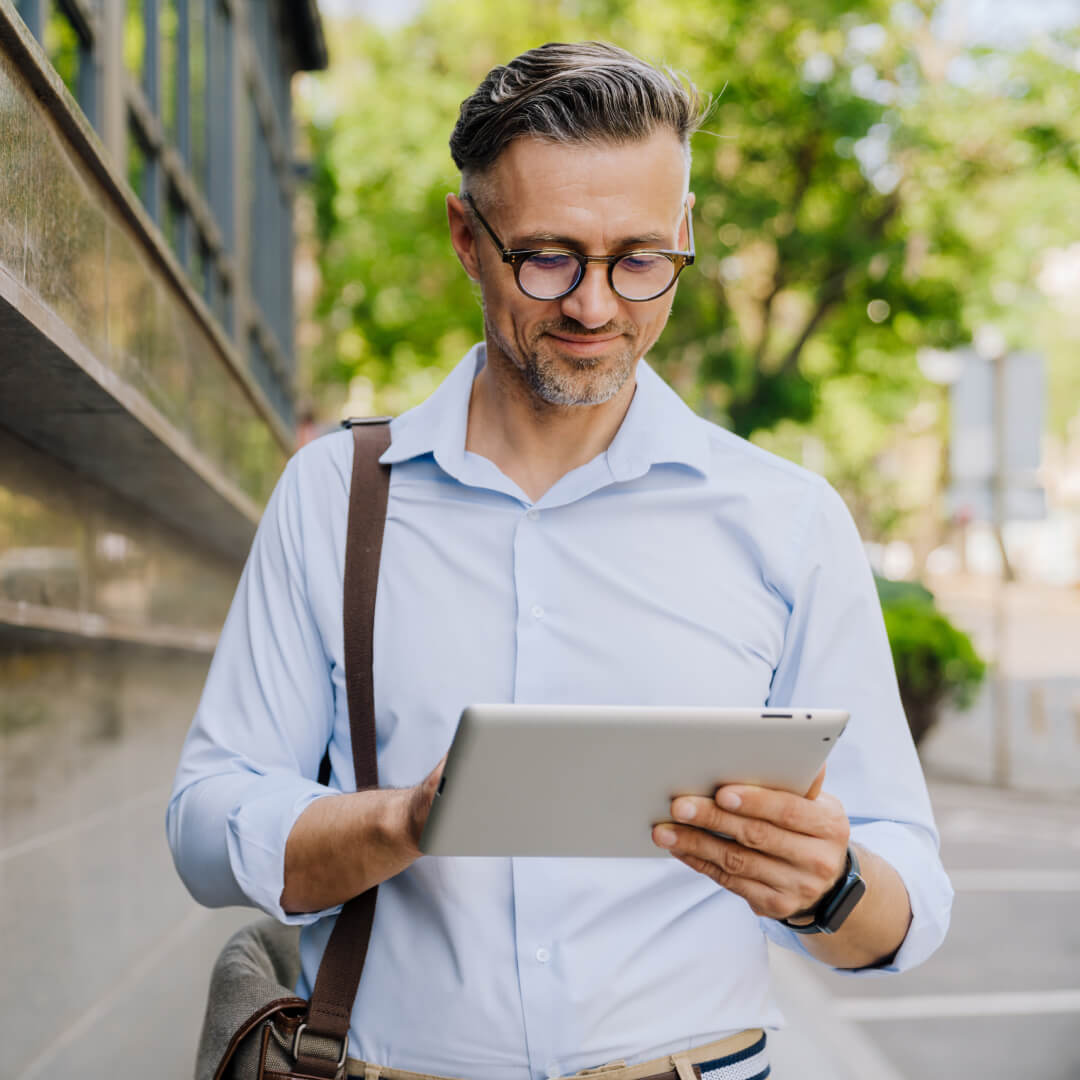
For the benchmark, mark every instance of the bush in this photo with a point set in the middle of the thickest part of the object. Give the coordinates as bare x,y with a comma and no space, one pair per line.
935,662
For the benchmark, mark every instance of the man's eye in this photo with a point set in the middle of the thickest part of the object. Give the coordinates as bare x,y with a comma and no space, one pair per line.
550,260
641,264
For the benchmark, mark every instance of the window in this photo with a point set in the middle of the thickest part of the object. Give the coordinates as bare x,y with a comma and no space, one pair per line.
64,45
221,298
269,377
219,95
186,126
271,241
173,224
68,31
178,56
196,39
135,36
200,267
139,166
170,79
30,10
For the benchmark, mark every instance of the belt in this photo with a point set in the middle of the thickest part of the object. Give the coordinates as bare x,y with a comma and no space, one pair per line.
738,1057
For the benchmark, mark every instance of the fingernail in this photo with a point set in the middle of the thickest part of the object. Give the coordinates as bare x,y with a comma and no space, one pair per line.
728,800
665,837
685,811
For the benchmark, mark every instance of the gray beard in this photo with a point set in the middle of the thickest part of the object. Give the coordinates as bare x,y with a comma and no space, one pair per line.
557,388
549,380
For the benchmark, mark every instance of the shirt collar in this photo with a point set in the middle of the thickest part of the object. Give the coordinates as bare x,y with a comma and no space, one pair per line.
659,428
438,424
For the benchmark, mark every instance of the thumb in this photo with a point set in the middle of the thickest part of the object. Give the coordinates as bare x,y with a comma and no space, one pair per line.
815,787
423,795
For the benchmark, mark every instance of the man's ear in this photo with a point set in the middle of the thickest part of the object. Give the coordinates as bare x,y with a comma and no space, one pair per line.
462,236
684,241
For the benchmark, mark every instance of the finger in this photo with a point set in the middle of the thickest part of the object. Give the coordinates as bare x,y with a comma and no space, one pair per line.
822,817
742,862
422,797
435,775
815,787
753,833
762,899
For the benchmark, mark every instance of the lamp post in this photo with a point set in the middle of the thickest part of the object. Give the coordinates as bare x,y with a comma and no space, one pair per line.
945,368
991,346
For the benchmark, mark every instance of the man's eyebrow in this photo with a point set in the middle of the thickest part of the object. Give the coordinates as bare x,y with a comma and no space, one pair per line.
542,239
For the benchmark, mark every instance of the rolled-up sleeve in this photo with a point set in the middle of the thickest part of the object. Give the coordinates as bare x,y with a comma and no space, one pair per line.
836,654
247,768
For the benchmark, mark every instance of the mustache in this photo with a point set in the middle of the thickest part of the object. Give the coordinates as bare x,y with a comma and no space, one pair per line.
574,328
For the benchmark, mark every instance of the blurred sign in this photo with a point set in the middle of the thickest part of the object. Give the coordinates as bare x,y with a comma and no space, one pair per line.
973,444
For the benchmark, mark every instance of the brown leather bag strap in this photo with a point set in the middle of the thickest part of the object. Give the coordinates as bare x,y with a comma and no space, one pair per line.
343,960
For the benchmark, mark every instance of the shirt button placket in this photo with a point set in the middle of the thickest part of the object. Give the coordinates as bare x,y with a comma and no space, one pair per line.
530,577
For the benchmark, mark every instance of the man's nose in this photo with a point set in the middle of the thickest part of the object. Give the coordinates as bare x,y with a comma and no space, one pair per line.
593,303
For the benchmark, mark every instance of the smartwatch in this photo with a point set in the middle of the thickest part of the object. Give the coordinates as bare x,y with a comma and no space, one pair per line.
837,904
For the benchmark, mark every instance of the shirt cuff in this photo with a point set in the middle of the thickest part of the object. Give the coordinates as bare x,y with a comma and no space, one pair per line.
912,853
257,830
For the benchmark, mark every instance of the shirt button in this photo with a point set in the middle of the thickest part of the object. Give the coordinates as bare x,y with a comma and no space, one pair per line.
537,611
552,1070
533,514
543,955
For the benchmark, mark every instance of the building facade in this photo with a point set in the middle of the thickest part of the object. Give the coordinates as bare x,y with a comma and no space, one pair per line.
146,409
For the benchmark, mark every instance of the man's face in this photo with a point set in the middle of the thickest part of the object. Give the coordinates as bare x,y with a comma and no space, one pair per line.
597,199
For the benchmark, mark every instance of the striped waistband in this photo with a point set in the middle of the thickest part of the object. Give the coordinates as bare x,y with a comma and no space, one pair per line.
749,1064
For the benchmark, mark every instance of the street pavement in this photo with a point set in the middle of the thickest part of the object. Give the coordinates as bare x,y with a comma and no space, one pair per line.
1039,657
1000,1000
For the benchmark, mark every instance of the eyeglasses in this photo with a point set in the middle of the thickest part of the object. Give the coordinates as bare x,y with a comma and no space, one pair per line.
552,273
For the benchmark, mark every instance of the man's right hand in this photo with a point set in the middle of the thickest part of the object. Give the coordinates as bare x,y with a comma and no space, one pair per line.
342,845
418,805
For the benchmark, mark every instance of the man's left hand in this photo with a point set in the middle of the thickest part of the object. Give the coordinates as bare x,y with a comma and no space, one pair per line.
785,851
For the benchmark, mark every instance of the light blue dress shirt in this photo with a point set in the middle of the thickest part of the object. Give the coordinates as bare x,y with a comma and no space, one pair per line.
683,566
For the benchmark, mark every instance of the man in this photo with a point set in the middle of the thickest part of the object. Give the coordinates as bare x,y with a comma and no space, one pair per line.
561,529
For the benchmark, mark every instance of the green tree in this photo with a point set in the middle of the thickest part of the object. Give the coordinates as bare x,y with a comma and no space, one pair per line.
854,203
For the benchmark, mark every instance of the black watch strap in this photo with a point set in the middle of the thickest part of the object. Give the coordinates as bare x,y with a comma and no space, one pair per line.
837,904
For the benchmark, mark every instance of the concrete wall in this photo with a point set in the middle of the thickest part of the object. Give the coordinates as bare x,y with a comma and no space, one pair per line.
136,451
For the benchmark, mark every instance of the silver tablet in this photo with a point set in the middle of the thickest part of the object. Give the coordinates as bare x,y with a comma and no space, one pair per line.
592,780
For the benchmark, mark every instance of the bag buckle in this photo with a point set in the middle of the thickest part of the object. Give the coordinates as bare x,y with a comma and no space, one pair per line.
296,1047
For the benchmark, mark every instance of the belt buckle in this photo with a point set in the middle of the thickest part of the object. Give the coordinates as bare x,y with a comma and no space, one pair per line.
599,1070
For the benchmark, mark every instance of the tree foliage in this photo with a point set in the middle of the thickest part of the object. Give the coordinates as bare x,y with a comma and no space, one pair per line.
858,197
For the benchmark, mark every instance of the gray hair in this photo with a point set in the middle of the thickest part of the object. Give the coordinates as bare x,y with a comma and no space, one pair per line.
579,93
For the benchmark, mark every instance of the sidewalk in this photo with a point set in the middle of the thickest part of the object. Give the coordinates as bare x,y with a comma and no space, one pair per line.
999,999
816,1044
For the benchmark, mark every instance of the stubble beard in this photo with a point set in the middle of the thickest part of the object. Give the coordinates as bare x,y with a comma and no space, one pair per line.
562,379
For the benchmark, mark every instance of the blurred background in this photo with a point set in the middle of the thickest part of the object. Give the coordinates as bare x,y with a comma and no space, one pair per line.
222,229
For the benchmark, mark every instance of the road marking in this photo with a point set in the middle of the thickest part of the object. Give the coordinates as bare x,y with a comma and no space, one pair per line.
819,1045
1015,880
92,821
945,1006
975,826
154,957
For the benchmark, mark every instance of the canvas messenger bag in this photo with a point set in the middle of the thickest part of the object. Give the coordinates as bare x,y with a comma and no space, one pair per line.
256,1028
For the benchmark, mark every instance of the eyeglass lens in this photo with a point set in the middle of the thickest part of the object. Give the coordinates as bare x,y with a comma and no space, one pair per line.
639,276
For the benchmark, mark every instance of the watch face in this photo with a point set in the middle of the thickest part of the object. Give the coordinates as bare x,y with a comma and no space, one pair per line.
837,905
843,903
